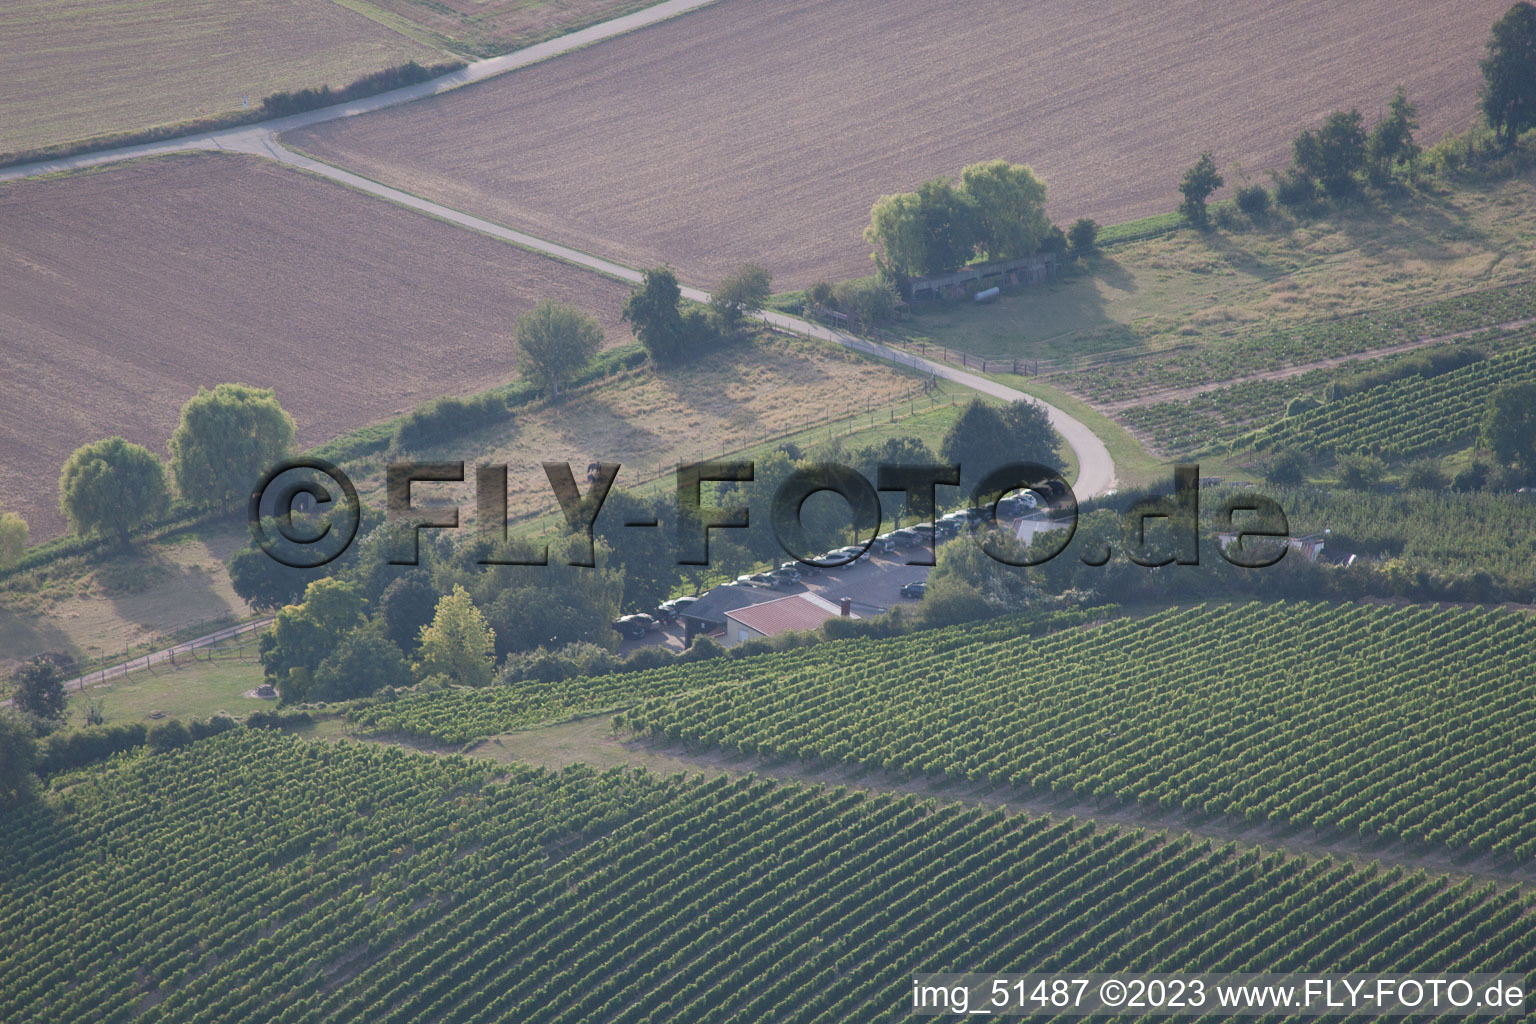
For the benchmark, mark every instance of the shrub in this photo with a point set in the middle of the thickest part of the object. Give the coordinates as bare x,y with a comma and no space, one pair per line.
1294,190
66,750
1473,478
1083,234
1426,475
443,419
703,649
1301,404
200,730
1429,362
1253,200
1286,468
278,719
168,736
281,104
1361,472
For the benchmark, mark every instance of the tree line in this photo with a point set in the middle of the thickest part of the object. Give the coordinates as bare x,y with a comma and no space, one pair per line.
1336,159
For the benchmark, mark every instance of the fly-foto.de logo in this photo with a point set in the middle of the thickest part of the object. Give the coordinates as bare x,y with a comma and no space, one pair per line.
306,513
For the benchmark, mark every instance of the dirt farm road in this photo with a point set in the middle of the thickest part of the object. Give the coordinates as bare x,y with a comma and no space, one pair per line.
1096,470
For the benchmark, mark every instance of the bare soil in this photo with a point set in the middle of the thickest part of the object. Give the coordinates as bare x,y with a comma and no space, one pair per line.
128,288
764,130
74,69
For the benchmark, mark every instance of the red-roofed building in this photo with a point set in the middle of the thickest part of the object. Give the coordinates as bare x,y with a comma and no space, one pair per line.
796,612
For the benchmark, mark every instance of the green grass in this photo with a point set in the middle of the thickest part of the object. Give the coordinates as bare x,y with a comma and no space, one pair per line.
1137,230
1211,291
193,688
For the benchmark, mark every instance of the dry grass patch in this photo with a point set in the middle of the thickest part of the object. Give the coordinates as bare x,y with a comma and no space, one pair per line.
647,422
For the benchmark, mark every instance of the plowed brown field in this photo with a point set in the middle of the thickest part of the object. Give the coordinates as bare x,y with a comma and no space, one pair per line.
764,129
126,289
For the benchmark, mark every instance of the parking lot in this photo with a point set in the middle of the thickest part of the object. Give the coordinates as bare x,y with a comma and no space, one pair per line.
873,584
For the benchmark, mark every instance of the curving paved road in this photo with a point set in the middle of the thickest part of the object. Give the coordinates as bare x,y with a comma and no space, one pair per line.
1096,470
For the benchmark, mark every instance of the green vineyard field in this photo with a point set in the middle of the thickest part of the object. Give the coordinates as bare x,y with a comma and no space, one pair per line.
1411,723
1405,418
258,877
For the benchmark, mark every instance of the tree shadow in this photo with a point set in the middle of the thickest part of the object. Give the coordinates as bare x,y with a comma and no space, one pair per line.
146,588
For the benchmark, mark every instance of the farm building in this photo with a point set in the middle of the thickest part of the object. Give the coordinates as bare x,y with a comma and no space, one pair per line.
967,280
707,615
784,615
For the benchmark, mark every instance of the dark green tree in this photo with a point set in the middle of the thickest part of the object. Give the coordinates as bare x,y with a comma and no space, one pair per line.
1509,426
1391,143
18,758
109,487
1199,182
39,689
1509,74
984,437
167,736
1083,234
1007,204
303,635
407,605
1361,472
647,556
264,583
228,438
364,662
740,295
554,342
654,314
1333,154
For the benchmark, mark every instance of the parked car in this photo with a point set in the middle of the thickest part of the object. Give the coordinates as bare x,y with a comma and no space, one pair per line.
844,557
634,627
908,537
800,568
944,529
885,543
762,579
668,611
784,577
915,589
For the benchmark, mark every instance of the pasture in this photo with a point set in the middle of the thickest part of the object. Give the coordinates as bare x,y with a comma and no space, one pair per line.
130,287
764,130
75,69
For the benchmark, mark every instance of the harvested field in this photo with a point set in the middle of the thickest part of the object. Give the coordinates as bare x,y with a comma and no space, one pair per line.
74,69
483,28
125,289
765,130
